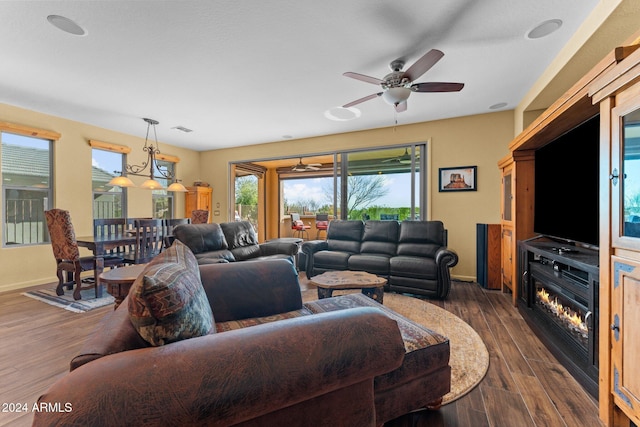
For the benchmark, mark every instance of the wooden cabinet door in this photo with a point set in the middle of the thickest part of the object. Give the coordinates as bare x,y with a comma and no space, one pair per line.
204,200
507,258
625,345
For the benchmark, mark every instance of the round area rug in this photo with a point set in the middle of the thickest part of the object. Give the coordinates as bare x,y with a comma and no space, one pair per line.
469,359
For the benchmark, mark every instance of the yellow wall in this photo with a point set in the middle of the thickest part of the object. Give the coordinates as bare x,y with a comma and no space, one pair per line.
32,265
479,140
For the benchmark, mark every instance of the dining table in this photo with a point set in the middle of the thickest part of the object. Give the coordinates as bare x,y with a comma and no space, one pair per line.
99,245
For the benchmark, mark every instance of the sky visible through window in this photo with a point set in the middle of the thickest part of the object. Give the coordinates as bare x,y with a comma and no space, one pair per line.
301,190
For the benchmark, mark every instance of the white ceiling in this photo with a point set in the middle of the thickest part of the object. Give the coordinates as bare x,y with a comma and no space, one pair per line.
242,72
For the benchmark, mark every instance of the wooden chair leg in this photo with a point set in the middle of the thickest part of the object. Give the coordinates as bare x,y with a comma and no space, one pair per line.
78,282
60,287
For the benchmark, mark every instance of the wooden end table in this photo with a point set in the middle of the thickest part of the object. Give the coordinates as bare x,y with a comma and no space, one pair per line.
371,285
119,281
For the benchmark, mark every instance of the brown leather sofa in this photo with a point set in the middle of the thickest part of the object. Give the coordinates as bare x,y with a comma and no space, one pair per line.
229,242
273,361
412,255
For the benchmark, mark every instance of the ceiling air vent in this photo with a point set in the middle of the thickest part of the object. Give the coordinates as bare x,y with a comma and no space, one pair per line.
182,129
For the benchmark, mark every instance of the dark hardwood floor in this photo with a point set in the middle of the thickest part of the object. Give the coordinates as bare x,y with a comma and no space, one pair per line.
525,385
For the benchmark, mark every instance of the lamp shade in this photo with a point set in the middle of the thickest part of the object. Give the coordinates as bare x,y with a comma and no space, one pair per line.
151,184
121,181
396,95
177,187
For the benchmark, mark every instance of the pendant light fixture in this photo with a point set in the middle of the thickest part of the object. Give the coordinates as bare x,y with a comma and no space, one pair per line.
151,163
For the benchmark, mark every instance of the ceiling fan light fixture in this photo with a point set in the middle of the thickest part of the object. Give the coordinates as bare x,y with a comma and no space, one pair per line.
396,95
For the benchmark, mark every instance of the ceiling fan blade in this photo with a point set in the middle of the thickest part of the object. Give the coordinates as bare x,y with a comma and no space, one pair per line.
401,107
363,78
358,101
437,87
423,64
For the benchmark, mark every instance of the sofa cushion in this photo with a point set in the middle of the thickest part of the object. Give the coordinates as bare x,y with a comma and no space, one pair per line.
231,325
167,302
377,264
242,239
421,238
215,257
380,237
345,236
332,260
413,266
201,237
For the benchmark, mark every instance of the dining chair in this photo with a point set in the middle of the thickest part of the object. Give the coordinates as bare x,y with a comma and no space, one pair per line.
322,223
299,228
108,227
199,216
167,229
67,255
148,240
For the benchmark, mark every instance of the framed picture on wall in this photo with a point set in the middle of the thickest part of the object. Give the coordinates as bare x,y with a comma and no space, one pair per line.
462,178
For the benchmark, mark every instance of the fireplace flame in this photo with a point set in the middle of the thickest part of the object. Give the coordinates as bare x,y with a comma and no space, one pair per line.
566,314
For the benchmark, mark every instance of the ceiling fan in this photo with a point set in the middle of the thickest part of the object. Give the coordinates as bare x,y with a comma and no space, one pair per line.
404,159
301,167
398,85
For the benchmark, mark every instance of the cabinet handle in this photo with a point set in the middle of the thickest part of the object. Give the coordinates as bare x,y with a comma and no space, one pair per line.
615,328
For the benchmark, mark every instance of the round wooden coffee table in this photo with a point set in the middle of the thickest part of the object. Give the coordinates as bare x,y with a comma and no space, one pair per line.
371,285
119,280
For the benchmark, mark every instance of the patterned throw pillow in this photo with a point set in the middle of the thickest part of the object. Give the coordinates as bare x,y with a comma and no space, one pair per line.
167,302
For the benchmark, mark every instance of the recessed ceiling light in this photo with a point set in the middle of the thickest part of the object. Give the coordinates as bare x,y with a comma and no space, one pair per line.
182,129
341,114
66,25
498,106
544,29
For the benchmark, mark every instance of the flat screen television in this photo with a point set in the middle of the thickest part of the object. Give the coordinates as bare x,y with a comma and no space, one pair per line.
566,185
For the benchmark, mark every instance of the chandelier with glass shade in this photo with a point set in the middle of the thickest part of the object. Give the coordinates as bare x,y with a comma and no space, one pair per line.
151,163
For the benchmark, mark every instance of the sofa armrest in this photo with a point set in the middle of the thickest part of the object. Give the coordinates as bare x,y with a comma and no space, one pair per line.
251,289
114,334
309,248
445,259
277,248
237,376
312,246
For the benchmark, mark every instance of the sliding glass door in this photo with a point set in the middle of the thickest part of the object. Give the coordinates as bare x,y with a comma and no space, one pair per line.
382,184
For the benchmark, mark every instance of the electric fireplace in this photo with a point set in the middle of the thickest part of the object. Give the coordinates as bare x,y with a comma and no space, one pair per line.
558,297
